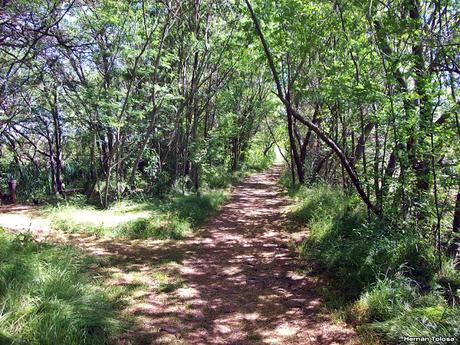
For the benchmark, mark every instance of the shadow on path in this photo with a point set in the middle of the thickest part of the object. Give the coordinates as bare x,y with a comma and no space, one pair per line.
235,281
241,284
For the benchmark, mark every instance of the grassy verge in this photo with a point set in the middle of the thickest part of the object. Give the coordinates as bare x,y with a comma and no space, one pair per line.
47,296
173,216
389,281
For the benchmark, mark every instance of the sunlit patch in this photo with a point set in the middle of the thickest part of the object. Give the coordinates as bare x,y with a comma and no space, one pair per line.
223,329
140,294
25,220
286,330
232,270
314,304
199,303
268,298
252,316
106,218
187,293
145,308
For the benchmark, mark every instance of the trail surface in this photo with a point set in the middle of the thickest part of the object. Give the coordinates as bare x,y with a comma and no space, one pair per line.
234,282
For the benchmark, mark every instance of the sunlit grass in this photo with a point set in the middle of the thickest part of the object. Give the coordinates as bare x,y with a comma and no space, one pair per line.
48,296
55,294
172,217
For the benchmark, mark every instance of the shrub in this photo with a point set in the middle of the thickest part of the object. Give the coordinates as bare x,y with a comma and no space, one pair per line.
344,243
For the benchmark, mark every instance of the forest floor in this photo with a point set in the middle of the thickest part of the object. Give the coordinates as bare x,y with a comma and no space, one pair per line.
235,281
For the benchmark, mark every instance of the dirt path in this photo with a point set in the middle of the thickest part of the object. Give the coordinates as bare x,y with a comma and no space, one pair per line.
235,282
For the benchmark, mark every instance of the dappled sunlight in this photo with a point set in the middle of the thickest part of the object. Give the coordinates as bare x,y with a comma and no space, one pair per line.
235,283
241,283
23,218
105,218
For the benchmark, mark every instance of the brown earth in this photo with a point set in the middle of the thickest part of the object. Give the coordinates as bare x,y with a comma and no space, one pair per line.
234,282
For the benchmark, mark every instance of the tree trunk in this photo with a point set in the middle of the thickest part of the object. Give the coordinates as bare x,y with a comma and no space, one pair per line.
454,248
57,143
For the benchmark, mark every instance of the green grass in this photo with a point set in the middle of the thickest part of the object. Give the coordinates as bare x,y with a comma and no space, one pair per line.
171,217
47,296
389,279
220,177
395,307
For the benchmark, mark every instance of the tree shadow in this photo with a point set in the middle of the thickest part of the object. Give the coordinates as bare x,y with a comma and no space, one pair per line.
240,282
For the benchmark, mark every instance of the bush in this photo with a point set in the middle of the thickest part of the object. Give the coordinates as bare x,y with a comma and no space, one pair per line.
345,244
257,161
48,297
220,177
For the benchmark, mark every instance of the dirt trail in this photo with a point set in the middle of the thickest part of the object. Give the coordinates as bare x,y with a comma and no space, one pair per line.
237,280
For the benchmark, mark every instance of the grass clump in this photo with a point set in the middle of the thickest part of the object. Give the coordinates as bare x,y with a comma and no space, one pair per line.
390,278
171,217
395,307
48,297
220,177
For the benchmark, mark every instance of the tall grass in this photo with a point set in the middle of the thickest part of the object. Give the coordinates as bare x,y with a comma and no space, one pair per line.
389,277
47,296
395,307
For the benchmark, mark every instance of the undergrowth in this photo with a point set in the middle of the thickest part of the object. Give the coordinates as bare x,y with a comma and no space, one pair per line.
389,278
48,297
221,177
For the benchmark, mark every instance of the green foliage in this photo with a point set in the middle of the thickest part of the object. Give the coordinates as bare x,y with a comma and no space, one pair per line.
447,282
142,100
47,297
166,227
196,209
394,308
388,298
220,177
257,161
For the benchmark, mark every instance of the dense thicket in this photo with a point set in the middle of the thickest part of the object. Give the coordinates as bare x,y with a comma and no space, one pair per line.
369,90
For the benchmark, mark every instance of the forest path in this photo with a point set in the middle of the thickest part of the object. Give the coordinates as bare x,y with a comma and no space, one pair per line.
234,282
